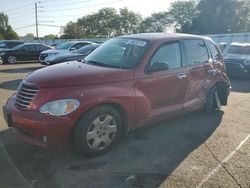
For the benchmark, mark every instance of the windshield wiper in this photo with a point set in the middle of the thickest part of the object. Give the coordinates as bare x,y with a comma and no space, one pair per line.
105,65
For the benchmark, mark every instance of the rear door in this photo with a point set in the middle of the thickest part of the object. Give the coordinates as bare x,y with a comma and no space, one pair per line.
39,48
200,73
164,90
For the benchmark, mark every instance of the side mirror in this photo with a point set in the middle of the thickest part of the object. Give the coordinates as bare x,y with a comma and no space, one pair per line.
22,49
158,66
72,49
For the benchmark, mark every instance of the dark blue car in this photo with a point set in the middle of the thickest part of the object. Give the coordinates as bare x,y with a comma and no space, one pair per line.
237,59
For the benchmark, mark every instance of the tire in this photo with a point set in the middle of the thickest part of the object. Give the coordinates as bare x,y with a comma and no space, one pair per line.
97,131
12,60
212,101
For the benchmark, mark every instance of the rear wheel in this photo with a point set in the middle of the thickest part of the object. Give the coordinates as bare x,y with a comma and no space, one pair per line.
12,60
97,131
212,100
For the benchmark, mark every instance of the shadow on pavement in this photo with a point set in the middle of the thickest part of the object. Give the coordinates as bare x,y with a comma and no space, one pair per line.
20,70
145,158
10,85
241,85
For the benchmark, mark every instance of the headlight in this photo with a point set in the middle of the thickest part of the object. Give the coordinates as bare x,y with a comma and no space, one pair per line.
247,62
53,54
60,107
3,53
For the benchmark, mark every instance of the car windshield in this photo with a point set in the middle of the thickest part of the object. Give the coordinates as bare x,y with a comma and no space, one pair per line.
236,49
64,46
2,45
118,53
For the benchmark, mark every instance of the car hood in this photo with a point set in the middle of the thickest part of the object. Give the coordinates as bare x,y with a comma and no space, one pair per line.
52,51
65,55
238,57
76,73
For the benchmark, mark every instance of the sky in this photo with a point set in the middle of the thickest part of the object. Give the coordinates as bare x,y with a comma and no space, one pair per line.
52,14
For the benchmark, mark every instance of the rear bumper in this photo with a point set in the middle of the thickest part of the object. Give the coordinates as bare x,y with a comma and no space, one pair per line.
36,128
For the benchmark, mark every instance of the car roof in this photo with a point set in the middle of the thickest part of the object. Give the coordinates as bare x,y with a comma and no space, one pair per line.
239,44
33,43
79,42
158,36
11,41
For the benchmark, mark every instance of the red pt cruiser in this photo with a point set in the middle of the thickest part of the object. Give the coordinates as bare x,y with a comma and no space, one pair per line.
126,83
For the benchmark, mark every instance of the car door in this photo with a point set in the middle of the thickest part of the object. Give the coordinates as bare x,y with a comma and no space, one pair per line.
163,89
200,73
39,48
28,53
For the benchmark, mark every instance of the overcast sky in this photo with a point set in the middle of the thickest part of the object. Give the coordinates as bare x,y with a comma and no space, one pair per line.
21,13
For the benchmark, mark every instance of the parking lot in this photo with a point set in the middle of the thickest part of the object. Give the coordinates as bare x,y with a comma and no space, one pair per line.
194,150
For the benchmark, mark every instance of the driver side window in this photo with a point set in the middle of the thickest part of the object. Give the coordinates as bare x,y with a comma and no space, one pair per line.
168,53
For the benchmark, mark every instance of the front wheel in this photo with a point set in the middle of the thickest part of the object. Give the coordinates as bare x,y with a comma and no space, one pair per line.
97,131
12,60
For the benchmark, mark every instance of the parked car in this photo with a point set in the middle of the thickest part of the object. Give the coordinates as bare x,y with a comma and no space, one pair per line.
8,44
70,55
28,52
237,59
68,46
126,83
222,46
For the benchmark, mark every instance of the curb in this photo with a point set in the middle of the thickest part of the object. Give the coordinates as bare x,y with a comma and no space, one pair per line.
10,176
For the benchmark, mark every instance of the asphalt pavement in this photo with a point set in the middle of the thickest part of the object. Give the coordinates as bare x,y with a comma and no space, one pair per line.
194,150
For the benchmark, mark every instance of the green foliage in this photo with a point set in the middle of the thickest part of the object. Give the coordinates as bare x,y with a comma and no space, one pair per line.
105,23
157,22
189,16
181,14
30,36
6,31
129,22
50,36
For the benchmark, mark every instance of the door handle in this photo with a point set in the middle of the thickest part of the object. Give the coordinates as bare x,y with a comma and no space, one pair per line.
182,76
212,71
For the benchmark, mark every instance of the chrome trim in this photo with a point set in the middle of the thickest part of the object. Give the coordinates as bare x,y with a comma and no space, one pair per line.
23,98
25,94
22,105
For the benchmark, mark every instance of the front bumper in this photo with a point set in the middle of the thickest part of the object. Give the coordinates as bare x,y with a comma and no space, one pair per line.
36,128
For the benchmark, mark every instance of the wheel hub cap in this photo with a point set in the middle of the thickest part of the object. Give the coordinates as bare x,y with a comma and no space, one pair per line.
101,132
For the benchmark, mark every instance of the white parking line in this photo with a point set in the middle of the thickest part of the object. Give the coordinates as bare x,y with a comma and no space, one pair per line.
204,180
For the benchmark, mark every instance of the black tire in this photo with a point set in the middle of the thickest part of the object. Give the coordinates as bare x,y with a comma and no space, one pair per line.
212,101
11,59
84,127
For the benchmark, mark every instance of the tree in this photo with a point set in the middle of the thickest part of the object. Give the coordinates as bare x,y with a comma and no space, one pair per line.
157,22
50,36
181,14
107,24
30,36
129,22
216,17
6,31
72,30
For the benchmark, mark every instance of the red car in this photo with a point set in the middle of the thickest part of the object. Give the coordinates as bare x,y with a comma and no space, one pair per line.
126,83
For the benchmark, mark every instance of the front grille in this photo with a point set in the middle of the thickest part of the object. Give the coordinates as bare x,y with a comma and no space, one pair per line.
43,56
24,96
234,67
